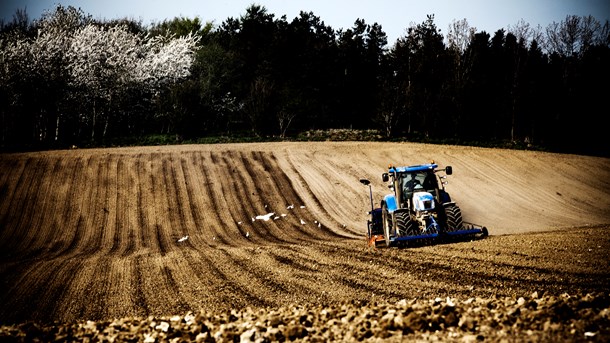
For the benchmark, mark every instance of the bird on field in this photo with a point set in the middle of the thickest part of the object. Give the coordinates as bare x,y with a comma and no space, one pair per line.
265,217
183,239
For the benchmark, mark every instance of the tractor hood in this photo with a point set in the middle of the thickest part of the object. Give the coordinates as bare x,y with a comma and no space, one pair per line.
423,201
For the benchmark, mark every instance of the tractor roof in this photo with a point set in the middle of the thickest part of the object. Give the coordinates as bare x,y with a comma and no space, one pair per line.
420,167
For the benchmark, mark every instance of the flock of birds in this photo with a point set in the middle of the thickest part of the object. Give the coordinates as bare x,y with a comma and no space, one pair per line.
264,217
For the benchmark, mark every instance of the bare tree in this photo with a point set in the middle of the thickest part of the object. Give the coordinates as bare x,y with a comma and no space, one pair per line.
563,37
526,34
459,35
284,118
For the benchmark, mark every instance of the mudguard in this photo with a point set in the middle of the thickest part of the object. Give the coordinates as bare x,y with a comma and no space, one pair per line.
390,201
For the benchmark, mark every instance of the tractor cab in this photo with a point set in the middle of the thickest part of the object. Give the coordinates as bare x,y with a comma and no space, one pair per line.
410,185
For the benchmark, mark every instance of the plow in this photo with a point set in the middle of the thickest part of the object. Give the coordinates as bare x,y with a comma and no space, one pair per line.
418,210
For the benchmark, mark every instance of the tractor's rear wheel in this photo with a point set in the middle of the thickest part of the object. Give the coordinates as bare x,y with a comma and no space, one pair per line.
386,218
454,218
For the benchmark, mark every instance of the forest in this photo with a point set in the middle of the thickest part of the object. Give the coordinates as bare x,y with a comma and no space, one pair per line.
67,79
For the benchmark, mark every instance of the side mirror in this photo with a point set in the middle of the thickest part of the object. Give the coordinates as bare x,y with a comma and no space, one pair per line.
365,182
385,177
448,170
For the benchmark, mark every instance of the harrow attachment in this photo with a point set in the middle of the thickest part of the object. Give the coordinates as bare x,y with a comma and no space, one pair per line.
376,236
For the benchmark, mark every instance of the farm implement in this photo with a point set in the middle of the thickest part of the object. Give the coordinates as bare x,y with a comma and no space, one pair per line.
418,210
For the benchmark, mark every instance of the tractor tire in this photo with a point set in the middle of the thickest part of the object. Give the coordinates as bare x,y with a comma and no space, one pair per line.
386,219
454,218
405,225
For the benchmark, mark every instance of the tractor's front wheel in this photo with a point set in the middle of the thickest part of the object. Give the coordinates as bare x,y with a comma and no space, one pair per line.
405,225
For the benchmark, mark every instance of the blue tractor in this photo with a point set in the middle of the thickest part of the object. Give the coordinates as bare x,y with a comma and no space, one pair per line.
418,210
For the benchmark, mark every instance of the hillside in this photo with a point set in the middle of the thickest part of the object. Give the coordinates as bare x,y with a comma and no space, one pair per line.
99,234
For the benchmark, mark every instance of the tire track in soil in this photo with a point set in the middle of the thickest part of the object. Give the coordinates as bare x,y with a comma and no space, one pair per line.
244,288
283,188
138,298
106,225
11,200
204,278
260,274
198,198
345,181
89,241
305,190
247,200
284,282
126,190
43,281
347,277
111,229
19,231
179,304
121,283
160,196
180,194
142,198
119,207
208,278
176,218
294,231
248,196
241,202
159,291
69,223
91,281
207,231
149,203
218,197
501,181
89,213
191,199
39,243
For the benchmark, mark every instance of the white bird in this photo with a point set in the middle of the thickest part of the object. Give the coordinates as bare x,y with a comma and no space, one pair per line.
265,217
302,222
290,207
276,217
183,239
238,223
247,234
283,214
253,220
319,225
302,206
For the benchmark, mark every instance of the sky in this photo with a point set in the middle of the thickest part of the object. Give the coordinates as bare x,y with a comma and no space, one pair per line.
394,16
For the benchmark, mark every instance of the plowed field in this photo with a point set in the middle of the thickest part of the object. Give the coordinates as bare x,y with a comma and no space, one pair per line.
157,231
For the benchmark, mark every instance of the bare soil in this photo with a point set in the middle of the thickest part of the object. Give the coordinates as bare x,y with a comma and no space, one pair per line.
105,238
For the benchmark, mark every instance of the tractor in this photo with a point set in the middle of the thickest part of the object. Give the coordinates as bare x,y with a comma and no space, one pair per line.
418,210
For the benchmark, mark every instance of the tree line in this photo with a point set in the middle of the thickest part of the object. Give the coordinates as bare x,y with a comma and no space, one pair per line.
68,79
